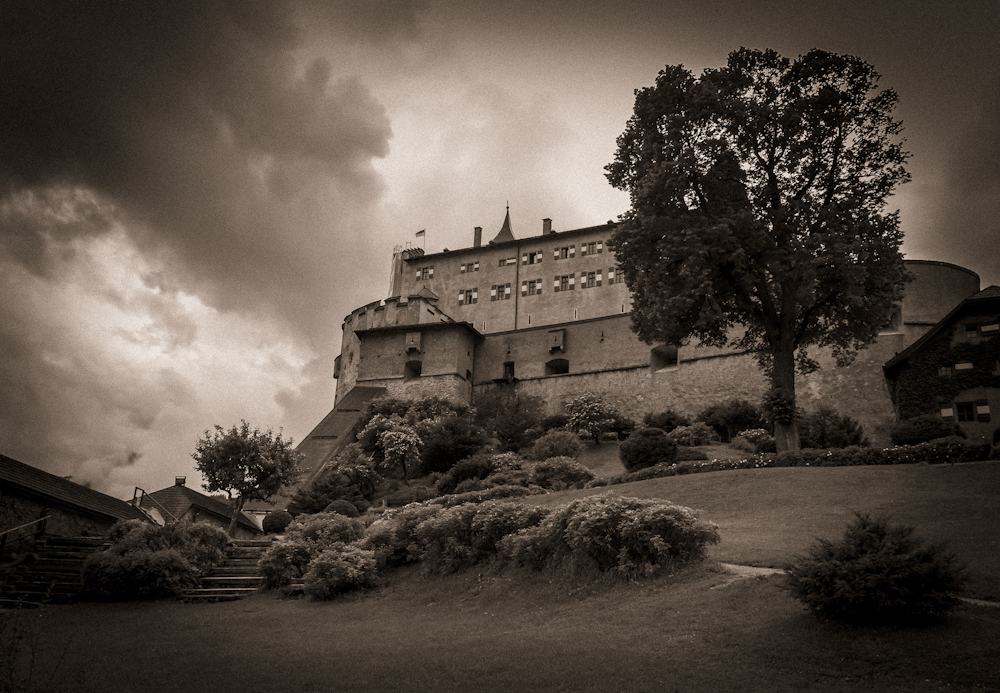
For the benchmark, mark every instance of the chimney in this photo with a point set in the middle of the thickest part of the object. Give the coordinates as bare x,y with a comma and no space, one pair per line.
477,237
546,227
179,480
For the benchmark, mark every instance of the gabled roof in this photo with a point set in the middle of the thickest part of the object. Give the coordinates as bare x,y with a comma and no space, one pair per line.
505,233
49,486
973,302
176,500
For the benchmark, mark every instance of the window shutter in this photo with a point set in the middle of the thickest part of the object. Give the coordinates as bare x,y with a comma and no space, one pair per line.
431,273
476,266
599,277
524,258
493,292
475,294
611,275
572,281
555,254
583,249
572,250
555,285
461,297
600,246
506,291
524,288
418,275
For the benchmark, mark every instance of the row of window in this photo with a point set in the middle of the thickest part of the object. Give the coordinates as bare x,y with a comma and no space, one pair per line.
975,329
588,280
469,267
425,273
529,258
968,411
533,287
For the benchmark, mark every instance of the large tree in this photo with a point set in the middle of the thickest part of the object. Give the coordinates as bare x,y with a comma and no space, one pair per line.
246,462
758,211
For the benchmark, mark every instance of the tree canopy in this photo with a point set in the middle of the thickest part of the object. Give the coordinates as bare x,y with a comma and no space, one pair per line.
248,463
758,215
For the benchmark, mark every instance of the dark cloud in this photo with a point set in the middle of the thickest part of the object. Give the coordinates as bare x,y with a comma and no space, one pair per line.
196,120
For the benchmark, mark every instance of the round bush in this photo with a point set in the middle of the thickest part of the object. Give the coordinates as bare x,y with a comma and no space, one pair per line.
878,573
339,569
556,444
921,429
342,507
646,447
559,472
696,434
275,523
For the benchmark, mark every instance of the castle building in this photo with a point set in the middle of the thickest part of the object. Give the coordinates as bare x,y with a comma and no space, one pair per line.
548,316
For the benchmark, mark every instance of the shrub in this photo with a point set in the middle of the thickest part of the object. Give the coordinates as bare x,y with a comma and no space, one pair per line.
478,466
646,447
141,574
695,434
514,420
447,440
826,429
556,444
391,538
878,573
921,429
665,420
325,529
630,536
558,473
405,495
283,561
730,417
622,427
589,412
342,507
463,535
754,440
488,494
556,422
275,522
339,569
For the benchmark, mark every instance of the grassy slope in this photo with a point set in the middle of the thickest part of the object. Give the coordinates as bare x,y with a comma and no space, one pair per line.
695,631
768,516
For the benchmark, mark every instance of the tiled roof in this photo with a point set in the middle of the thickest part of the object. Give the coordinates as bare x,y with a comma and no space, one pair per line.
177,500
505,232
22,476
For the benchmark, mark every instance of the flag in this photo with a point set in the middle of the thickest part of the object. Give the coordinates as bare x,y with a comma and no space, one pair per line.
421,233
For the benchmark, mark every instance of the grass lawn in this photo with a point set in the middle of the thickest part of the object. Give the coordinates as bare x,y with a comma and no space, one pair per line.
698,630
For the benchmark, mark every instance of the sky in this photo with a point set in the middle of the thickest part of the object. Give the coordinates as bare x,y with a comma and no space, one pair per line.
193,195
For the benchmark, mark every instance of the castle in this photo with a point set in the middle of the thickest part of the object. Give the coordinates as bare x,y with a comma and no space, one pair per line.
548,316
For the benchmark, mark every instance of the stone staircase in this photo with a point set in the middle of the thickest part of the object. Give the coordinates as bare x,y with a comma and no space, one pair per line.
49,574
234,578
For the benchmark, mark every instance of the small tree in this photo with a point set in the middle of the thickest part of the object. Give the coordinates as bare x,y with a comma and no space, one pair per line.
590,413
248,463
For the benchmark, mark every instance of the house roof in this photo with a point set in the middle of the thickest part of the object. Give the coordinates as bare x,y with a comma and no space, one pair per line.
176,500
55,488
973,302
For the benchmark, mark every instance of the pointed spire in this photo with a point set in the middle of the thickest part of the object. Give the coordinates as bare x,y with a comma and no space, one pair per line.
505,232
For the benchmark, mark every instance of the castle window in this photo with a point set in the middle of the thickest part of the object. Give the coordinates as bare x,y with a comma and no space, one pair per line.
508,371
945,371
588,280
965,366
500,292
531,258
556,367
468,296
664,357
564,253
591,248
531,287
966,411
425,273
412,370
470,267
948,413
564,282
992,327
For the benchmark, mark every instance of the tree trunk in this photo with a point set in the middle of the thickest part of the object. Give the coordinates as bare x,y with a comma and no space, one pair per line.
240,500
786,432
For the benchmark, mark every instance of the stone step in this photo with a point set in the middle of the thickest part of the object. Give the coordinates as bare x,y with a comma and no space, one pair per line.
234,570
251,543
40,596
82,543
231,581
244,553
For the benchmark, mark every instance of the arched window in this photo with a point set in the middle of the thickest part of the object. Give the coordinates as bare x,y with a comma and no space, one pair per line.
663,357
557,367
412,370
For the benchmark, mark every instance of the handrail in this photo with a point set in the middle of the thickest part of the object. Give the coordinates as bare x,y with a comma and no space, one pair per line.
28,524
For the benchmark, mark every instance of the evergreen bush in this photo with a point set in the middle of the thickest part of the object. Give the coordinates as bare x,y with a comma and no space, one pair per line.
878,573
731,416
558,473
922,429
645,448
696,434
342,507
558,443
392,538
275,522
826,429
